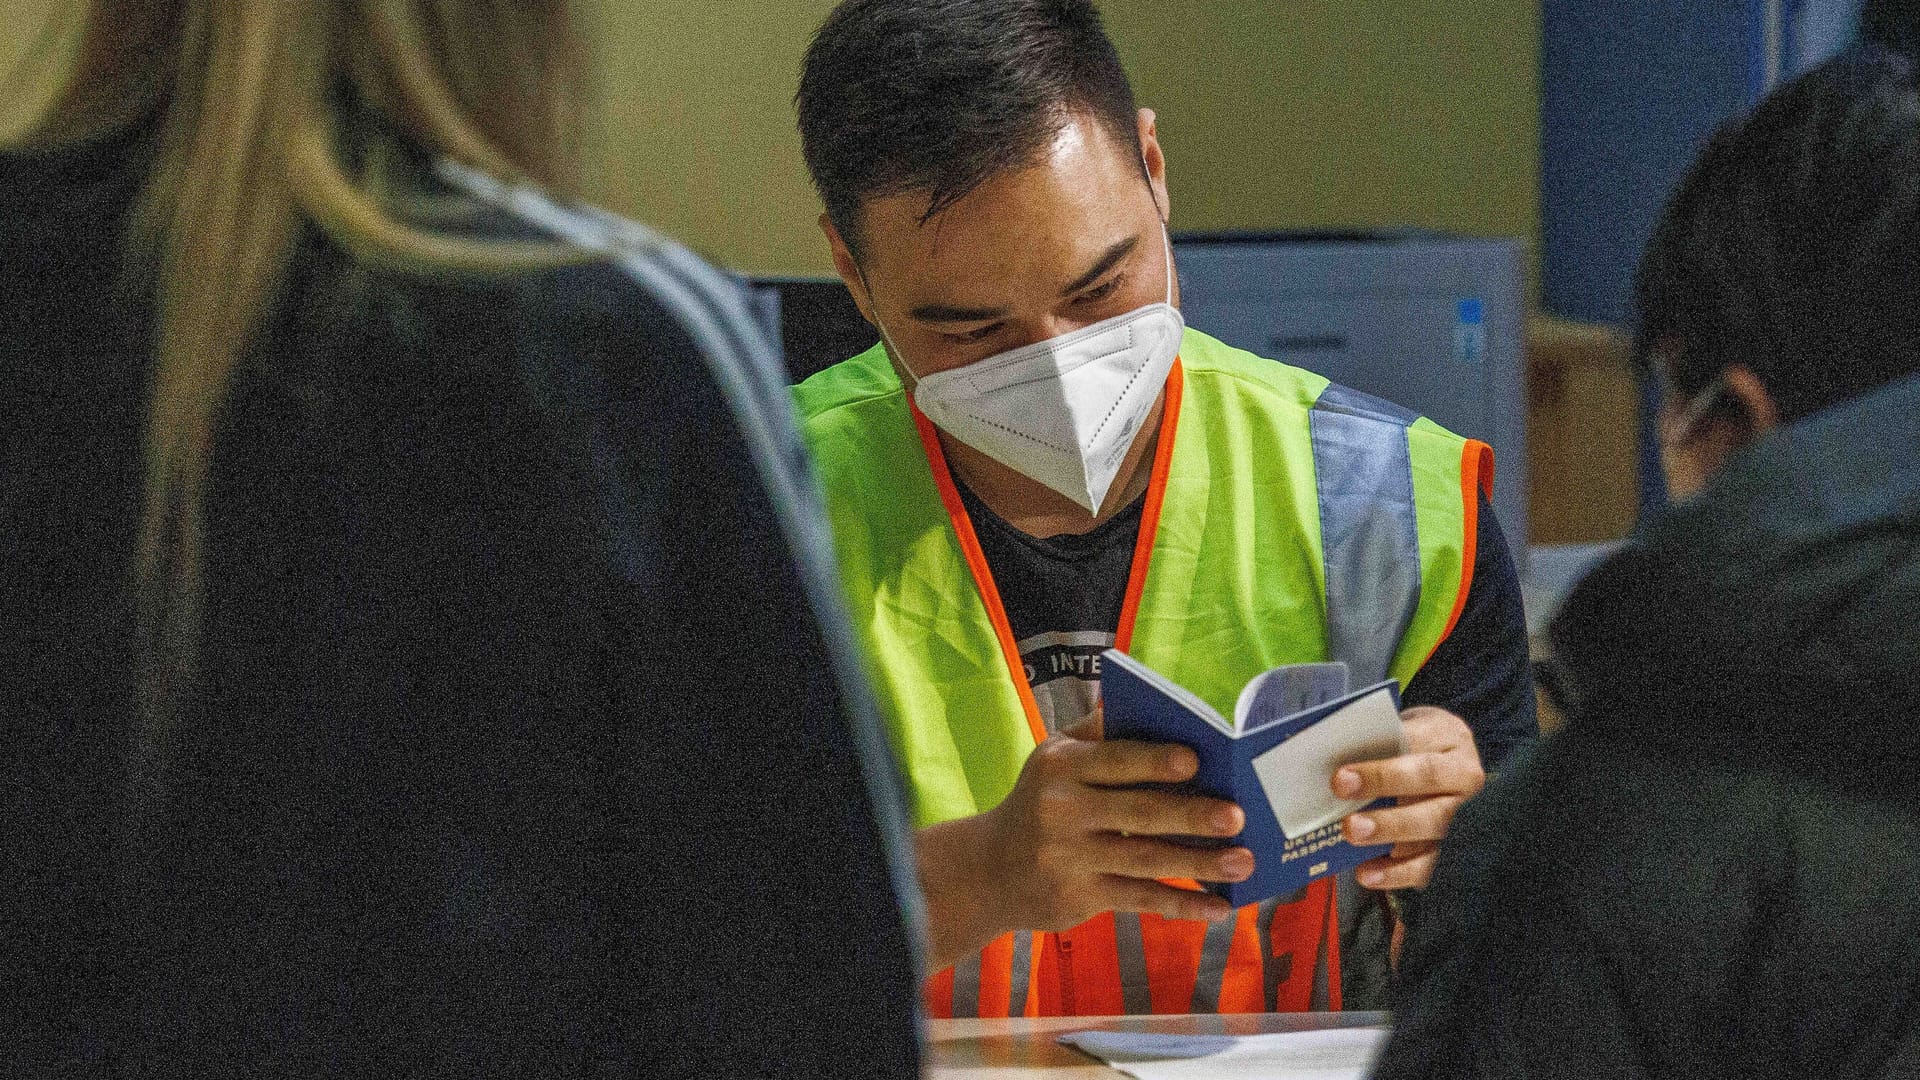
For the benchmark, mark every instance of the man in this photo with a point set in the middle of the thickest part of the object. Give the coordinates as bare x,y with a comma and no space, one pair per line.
1037,463
1710,872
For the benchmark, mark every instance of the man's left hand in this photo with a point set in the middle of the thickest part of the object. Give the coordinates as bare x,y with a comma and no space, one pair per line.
1440,770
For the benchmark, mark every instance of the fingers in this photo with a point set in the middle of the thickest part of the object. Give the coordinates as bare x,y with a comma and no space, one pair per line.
1440,760
1161,813
1440,770
1146,857
1407,867
1427,729
1120,762
1411,776
1417,821
1136,894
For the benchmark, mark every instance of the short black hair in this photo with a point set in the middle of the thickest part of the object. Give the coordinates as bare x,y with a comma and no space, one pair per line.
1793,245
937,96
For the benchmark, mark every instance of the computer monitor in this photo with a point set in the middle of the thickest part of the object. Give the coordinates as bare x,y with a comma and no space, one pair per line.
813,320
1429,321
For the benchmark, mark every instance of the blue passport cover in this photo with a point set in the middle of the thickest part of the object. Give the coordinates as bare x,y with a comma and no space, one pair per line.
1136,708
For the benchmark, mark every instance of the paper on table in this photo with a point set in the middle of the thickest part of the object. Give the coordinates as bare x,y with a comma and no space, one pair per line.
1295,774
1339,1054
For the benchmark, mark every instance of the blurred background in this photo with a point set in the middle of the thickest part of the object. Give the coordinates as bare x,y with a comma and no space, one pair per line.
1274,115
1559,125
1554,129
1441,201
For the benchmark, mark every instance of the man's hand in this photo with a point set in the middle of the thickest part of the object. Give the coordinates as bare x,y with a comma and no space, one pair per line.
1440,770
1071,841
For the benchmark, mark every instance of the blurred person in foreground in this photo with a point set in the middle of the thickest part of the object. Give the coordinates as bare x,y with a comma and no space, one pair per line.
421,655
1892,24
1711,872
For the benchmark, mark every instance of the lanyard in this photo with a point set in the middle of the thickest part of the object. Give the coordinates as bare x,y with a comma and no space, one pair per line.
983,576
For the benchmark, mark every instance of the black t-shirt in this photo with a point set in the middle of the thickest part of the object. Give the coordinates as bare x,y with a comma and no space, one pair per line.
1064,594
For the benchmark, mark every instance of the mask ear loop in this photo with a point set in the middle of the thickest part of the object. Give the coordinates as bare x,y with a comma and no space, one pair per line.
1166,230
1697,410
885,338
1166,235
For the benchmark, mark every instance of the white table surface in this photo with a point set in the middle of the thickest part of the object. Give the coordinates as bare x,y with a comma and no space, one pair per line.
1024,1049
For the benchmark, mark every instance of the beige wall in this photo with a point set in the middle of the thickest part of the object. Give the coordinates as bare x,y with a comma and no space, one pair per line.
1274,114
1343,112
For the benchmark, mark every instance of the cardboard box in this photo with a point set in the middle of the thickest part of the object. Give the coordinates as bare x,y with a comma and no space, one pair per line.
1582,432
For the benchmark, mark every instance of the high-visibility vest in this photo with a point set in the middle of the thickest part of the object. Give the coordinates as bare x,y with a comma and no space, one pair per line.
1288,520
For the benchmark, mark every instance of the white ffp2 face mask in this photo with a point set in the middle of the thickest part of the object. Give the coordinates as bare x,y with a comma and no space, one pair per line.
1063,412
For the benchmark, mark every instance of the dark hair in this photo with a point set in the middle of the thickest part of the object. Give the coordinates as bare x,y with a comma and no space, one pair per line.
1793,245
937,96
1892,24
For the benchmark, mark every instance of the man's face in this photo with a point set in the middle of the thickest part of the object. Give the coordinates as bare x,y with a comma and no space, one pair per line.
1029,255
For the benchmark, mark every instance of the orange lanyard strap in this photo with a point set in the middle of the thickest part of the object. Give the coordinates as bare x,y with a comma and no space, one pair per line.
1150,513
977,563
983,576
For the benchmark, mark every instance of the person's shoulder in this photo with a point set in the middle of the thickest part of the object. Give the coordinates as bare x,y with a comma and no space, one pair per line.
64,212
614,302
866,378
607,275
1705,873
1209,361
1654,855
1206,362
595,345
1546,909
1668,853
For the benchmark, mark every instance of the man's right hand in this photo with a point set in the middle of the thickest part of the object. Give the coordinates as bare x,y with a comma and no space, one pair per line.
1074,839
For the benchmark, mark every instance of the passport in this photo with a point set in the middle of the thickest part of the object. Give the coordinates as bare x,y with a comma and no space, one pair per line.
1291,728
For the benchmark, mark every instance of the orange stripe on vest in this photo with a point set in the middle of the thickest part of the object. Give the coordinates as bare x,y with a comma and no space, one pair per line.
1077,972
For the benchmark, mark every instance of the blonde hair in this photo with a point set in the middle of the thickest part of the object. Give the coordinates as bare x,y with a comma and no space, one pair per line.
243,98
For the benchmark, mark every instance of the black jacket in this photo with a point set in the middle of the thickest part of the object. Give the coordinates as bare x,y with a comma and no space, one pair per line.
1715,869
525,743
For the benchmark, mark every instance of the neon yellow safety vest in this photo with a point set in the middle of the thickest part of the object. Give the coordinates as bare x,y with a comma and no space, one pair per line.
1290,520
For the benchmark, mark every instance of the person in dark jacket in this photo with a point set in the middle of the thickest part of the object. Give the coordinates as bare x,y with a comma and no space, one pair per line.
1714,870
1891,24
421,656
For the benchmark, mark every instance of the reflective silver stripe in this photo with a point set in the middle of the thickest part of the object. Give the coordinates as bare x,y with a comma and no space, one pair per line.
1023,944
1369,534
966,986
1215,949
1135,985
1322,999
1274,969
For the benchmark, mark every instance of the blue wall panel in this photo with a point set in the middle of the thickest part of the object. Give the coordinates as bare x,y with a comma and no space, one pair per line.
1632,89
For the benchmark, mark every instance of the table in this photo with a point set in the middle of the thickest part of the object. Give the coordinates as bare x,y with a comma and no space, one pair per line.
1024,1049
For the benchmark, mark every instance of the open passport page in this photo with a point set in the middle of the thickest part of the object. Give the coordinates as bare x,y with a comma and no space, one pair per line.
1291,728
